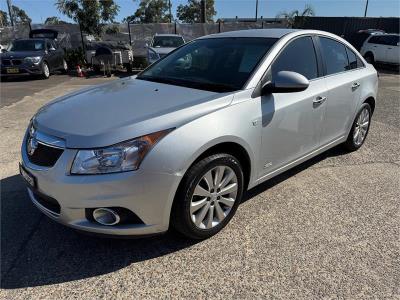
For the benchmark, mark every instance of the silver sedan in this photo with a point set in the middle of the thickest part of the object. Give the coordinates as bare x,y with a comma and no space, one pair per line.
178,145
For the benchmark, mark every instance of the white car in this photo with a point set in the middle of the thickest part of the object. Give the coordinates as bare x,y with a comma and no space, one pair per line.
162,44
382,48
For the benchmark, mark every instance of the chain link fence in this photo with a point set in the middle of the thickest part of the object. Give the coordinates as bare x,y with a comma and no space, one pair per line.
137,34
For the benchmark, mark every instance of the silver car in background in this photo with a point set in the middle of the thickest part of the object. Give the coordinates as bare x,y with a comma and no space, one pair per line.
178,145
161,45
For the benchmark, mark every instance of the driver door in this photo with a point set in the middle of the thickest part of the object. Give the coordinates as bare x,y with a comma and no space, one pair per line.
292,122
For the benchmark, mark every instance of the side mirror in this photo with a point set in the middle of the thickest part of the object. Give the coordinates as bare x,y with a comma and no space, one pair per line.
286,82
146,45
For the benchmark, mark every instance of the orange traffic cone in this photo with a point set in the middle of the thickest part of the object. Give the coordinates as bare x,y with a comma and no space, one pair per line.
79,71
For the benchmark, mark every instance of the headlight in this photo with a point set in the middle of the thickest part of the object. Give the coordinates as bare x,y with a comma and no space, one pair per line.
153,56
33,59
122,157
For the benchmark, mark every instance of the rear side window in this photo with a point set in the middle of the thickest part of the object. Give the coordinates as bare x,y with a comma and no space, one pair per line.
394,40
335,56
298,56
354,61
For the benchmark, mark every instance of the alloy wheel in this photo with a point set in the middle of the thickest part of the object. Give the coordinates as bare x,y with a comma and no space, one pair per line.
46,70
65,66
213,197
361,127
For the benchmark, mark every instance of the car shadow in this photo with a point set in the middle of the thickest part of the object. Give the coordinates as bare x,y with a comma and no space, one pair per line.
36,251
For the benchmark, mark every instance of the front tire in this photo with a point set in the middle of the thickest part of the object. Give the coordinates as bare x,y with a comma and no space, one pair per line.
45,71
208,197
359,129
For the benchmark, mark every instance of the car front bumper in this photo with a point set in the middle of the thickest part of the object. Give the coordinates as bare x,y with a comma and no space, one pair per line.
146,194
21,70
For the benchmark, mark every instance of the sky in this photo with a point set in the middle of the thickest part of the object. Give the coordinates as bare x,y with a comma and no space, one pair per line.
39,10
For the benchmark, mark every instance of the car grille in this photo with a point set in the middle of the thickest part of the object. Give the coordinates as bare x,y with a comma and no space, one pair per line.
45,155
11,62
16,62
6,62
47,202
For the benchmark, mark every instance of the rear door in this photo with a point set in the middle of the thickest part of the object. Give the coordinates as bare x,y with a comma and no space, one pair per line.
377,47
393,49
343,81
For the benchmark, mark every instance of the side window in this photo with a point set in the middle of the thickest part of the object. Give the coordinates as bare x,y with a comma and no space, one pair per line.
298,56
335,56
354,61
386,40
374,40
394,40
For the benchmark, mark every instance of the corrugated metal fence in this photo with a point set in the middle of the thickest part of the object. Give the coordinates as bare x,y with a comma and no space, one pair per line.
348,26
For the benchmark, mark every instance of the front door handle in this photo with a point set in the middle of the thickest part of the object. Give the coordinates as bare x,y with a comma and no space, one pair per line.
319,100
355,86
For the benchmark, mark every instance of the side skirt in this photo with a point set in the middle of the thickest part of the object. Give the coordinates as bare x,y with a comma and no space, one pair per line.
298,161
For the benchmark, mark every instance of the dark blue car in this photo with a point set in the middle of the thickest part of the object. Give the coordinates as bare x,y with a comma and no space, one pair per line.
38,55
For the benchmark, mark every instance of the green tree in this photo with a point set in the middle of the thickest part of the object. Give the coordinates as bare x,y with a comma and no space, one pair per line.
151,11
4,19
90,14
20,16
295,18
191,12
54,21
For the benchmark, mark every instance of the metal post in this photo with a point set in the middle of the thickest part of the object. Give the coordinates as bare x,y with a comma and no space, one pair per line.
203,11
10,12
175,27
170,14
366,9
83,43
256,10
219,27
129,32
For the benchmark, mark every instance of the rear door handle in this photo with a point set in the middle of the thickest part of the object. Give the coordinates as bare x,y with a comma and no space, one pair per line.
319,100
355,85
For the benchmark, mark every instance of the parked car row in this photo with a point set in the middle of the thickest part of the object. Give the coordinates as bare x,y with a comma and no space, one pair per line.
41,55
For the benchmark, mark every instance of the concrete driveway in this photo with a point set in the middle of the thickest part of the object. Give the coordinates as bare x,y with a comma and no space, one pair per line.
329,228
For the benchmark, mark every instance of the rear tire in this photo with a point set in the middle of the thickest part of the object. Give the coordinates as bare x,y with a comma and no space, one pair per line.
200,209
64,68
45,71
359,129
369,57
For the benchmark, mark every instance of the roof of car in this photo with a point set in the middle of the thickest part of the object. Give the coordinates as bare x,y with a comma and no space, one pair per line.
385,34
167,34
267,33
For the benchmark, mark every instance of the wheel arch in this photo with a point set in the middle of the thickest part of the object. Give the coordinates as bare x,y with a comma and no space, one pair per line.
371,101
234,149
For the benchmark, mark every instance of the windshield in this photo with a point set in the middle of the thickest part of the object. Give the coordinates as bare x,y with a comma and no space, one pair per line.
216,64
27,45
167,41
